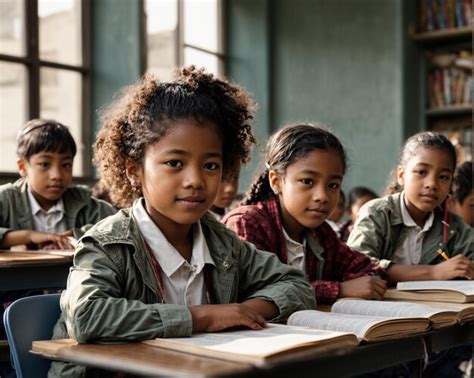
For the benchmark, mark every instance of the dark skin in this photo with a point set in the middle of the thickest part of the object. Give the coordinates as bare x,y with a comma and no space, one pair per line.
179,178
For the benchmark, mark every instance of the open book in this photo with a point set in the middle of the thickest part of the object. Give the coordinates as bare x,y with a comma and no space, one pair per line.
259,347
351,315
438,316
464,311
440,291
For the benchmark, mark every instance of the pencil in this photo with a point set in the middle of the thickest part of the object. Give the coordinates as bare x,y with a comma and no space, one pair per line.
443,254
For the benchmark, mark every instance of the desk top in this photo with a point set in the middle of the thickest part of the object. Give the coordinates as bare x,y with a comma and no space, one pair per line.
142,359
136,358
10,259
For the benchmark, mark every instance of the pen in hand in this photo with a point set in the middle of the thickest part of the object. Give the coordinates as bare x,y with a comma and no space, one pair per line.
443,254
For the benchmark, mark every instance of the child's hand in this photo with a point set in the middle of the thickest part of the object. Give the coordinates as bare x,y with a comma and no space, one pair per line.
47,240
457,266
368,287
212,318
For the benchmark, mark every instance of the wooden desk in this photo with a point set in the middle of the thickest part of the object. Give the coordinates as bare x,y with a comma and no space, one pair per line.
142,359
34,270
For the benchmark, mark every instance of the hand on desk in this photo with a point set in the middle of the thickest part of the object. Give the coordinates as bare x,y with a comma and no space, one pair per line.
44,240
367,287
213,318
457,266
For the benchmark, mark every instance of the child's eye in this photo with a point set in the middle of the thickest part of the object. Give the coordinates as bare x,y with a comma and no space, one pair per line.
67,165
43,165
445,177
174,163
307,181
420,172
211,166
334,185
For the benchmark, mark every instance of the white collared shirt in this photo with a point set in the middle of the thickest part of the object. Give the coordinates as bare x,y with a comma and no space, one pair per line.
53,220
183,282
409,252
295,252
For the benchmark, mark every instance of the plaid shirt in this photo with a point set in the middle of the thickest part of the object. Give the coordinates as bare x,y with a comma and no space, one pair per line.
261,225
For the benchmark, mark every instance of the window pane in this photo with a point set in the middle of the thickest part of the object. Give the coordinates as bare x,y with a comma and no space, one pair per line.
162,24
60,31
13,113
61,100
12,27
200,24
201,59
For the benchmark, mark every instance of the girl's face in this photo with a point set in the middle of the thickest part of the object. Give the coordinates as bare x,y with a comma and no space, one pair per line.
49,174
227,190
354,209
180,174
426,179
309,191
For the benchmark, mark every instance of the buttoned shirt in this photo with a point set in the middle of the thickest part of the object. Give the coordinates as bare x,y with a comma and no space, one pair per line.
296,251
409,252
52,220
328,261
183,281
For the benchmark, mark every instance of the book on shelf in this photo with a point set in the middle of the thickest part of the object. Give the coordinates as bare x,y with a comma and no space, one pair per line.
276,341
444,14
352,315
441,291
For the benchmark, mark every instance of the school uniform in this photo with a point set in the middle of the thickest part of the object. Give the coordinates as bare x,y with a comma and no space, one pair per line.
79,209
380,231
385,231
114,293
327,261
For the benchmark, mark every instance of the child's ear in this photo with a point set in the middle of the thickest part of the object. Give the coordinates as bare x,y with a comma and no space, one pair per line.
400,175
133,172
274,181
21,164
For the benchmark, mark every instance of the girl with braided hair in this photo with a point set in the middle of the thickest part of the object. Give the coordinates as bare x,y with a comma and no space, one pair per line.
285,211
162,266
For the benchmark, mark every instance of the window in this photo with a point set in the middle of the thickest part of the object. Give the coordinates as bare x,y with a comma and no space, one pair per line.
43,72
182,32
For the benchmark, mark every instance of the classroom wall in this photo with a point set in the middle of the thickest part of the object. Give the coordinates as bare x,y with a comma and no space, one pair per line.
340,62
116,53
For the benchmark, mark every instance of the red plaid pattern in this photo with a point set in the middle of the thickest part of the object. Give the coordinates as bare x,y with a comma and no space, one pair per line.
261,225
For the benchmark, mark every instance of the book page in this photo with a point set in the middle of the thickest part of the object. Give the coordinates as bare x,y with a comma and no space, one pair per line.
273,339
384,308
356,324
466,287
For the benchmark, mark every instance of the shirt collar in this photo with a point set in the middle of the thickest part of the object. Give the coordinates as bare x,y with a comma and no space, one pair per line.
408,220
168,257
36,207
292,242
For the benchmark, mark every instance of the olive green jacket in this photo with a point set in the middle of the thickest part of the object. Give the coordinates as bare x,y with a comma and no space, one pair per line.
112,295
81,210
379,231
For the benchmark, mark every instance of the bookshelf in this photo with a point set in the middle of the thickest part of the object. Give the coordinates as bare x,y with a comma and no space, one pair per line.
444,39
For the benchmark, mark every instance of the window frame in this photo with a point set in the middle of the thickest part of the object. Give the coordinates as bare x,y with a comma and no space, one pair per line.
32,63
181,45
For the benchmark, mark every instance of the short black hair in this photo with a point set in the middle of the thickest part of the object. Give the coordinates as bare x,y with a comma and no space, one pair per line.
462,182
44,135
357,192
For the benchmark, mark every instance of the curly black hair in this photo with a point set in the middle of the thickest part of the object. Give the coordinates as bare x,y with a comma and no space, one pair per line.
285,147
462,182
146,111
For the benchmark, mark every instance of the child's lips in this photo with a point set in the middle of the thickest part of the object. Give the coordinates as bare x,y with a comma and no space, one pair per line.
429,197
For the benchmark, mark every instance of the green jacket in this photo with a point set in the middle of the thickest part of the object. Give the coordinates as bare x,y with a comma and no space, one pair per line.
379,231
112,296
81,209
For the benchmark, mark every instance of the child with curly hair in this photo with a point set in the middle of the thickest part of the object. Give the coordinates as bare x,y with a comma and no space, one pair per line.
164,267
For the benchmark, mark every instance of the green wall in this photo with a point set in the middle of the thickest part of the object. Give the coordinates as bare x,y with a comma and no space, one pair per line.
339,62
115,50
